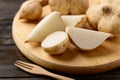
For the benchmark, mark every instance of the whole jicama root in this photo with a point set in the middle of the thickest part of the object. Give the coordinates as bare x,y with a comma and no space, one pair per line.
105,16
73,7
31,10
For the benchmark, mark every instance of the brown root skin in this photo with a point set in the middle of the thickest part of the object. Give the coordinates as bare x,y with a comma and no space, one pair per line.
30,20
105,16
71,7
42,2
93,16
78,7
60,6
111,21
106,10
30,10
82,22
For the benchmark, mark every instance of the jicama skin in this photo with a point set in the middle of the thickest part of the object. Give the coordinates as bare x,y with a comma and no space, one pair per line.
30,10
105,16
72,7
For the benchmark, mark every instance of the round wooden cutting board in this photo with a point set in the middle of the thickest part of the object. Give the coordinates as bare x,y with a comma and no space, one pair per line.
105,57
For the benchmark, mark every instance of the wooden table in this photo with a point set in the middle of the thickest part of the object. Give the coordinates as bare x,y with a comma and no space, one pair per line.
9,52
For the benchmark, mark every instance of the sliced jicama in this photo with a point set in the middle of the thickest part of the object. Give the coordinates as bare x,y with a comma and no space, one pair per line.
56,42
53,22
74,20
86,39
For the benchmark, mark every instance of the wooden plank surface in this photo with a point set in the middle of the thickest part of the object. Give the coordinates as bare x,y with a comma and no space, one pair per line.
9,52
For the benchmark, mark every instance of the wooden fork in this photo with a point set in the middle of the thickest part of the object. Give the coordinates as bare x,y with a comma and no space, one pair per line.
35,69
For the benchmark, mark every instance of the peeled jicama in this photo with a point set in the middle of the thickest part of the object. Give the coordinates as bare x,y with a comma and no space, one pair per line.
87,39
74,20
56,42
49,24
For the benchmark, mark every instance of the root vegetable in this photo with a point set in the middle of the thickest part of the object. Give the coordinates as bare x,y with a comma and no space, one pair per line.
74,20
53,22
93,14
86,39
30,10
56,42
73,7
105,16
42,2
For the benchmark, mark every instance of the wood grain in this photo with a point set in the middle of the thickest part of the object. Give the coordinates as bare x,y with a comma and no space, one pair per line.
104,58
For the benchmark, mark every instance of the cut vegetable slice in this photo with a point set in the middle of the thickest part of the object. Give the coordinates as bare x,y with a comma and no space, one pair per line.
74,20
49,24
87,39
56,42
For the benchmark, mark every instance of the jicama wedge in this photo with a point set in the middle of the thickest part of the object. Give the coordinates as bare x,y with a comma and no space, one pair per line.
74,20
53,22
86,39
56,42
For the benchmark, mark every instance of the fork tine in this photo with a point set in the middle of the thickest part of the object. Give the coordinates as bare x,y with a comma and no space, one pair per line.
23,65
